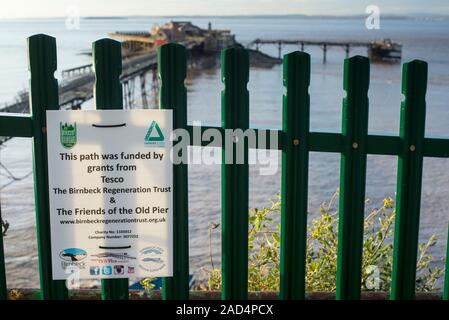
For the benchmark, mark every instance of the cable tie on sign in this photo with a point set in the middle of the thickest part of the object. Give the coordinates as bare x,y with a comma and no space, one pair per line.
109,125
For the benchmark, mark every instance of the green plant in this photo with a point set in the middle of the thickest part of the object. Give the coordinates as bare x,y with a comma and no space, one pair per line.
321,258
147,284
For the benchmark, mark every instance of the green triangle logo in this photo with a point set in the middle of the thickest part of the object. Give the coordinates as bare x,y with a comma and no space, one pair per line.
150,137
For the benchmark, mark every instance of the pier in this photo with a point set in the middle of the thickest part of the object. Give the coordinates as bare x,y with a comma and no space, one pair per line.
140,58
68,73
76,86
377,50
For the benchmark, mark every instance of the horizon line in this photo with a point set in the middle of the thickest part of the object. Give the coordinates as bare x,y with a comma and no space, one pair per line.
338,16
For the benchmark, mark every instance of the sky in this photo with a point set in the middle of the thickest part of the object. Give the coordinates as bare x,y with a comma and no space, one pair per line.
63,8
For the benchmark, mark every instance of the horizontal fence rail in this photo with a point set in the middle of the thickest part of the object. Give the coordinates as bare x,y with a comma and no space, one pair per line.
294,140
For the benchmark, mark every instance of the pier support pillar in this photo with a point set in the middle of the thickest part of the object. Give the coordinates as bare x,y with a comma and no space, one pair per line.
128,96
324,52
279,49
143,90
155,87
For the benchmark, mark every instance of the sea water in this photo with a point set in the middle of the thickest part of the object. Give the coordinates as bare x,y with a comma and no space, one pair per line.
421,39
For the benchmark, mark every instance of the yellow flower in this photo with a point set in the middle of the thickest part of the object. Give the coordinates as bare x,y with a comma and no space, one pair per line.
15,295
388,203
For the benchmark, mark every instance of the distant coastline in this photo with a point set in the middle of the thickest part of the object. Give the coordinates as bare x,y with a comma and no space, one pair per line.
290,16
429,17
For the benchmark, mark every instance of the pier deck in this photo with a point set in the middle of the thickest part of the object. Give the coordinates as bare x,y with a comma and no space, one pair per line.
392,48
77,87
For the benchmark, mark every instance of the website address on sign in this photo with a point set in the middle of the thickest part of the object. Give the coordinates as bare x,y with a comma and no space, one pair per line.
107,221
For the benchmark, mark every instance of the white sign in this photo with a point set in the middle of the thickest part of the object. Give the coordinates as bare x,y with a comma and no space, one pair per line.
111,185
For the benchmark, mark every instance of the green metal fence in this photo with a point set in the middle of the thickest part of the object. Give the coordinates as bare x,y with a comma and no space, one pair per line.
295,141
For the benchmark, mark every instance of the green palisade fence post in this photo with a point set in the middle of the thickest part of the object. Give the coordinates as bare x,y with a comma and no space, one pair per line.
412,127
3,290
44,96
108,94
234,189
446,272
295,170
352,178
172,63
408,197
